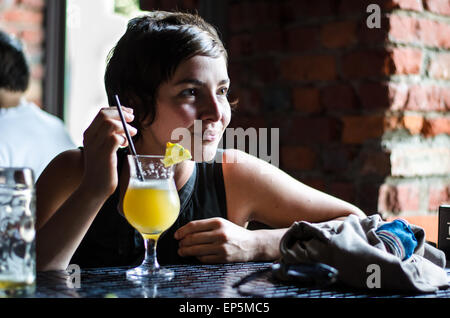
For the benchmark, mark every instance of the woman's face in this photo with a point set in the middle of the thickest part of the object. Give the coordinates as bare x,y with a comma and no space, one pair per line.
196,92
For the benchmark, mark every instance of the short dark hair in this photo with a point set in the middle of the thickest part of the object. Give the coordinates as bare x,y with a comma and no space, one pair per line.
14,69
148,54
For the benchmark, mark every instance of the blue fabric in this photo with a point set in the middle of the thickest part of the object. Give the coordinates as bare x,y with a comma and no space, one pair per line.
398,238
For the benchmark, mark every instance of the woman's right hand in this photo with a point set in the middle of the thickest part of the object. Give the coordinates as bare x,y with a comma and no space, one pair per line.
101,141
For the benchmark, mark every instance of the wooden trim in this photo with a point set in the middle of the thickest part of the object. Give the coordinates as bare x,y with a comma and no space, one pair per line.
54,48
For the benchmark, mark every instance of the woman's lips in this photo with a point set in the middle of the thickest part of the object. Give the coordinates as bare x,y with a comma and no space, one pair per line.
207,136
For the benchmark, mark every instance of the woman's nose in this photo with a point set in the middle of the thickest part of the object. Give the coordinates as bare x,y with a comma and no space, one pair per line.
211,110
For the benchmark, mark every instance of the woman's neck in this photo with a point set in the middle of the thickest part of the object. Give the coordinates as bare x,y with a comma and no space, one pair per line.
183,172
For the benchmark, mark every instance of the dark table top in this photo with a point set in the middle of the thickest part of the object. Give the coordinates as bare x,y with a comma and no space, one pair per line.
195,281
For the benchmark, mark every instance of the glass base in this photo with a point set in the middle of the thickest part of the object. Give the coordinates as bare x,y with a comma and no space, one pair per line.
145,272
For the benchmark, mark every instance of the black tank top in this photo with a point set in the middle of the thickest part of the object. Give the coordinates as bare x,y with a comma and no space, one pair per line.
111,241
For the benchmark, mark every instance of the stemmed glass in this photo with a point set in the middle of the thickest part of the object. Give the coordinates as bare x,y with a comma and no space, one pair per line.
151,205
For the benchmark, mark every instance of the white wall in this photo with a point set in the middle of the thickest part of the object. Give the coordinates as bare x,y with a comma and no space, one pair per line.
92,31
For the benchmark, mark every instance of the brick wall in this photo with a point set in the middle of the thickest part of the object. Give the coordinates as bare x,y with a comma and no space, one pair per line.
25,18
307,67
363,113
418,122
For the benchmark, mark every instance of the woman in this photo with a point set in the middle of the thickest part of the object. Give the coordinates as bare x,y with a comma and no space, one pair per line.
170,69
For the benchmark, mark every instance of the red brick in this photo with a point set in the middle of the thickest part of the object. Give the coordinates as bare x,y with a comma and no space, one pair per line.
444,100
434,33
358,129
403,28
382,95
297,158
248,121
374,95
398,95
367,63
368,196
307,130
436,126
405,61
414,5
422,31
438,195
238,72
403,197
375,162
267,41
337,159
263,70
428,98
314,182
34,4
438,6
250,101
338,34
358,6
343,190
440,66
248,15
393,122
23,16
414,124
311,67
338,97
306,99
302,38
236,18
283,121
294,9
32,36
241,45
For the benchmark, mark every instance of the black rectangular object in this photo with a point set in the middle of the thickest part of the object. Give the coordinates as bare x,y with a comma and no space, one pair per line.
444,229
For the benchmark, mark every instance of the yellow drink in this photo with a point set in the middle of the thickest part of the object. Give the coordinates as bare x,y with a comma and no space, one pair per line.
151,208
11,284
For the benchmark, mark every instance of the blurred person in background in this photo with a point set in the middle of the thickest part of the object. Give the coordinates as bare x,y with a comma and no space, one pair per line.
29,137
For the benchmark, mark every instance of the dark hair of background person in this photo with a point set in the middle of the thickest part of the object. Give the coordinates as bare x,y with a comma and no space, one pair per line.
14,69
148,54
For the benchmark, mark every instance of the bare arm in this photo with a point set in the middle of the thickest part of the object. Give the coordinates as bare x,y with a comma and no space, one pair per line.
257,191
59,234
264,193
73,188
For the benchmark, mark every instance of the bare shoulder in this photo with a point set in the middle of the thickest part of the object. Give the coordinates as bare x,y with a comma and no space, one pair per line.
242,166
66,167
57,182
244,177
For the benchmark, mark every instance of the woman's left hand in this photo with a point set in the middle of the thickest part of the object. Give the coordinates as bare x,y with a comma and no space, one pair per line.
217,240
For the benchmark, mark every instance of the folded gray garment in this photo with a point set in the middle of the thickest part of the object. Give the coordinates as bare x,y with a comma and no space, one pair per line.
352,246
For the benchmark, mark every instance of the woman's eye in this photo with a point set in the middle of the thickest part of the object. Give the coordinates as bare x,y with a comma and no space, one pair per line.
188,92
223,91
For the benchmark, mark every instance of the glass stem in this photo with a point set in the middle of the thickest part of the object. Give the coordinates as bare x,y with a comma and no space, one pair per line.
150,259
